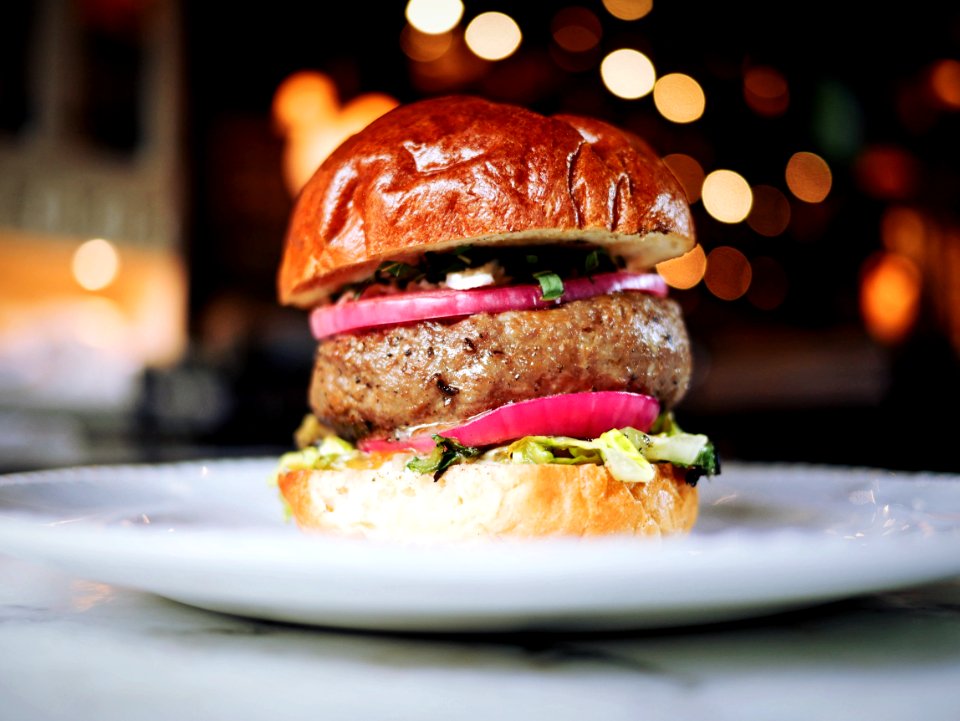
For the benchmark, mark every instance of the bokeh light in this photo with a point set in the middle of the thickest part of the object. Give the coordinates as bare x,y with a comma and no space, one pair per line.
493,36
628,9
766,91
685,271
679,98
768,284
887,172
890,288
95,264
423,47
628,73
808,177
434,16
307,111
363,110
727,196
770,212
728,273
688,171
945,83
576,29
838,121
904,231
304,99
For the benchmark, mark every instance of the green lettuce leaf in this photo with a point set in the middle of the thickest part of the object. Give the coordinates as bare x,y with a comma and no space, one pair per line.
333,452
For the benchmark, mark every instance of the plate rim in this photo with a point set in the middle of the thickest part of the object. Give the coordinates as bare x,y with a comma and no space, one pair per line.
359,561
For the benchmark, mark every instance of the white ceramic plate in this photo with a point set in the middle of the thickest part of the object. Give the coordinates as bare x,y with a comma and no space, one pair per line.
211,534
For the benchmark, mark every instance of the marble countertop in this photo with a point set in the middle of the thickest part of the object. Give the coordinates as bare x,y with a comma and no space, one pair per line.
76,649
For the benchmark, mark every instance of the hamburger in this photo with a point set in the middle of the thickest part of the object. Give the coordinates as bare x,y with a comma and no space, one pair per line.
496,355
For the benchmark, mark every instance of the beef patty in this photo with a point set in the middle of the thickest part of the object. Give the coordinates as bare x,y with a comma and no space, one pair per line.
375,382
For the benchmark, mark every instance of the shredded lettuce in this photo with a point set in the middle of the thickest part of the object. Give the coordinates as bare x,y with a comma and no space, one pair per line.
626,452
623,458
333,452
614,449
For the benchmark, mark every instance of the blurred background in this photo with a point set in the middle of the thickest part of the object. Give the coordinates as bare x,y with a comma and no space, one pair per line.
150,151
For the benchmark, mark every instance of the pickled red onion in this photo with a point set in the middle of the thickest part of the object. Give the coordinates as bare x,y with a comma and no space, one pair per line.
578,415
398,308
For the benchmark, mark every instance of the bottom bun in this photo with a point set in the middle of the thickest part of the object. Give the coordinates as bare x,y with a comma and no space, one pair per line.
483,499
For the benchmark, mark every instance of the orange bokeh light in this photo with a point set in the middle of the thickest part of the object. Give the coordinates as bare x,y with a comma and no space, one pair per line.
308,113
304,99
424,47
765,91
945,83
889,296
770,213
628,9
904,231
679,98
728,273
686,271
809,177
888,172
688,171
576,29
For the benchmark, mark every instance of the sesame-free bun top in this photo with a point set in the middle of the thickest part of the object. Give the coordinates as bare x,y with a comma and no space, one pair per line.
440,173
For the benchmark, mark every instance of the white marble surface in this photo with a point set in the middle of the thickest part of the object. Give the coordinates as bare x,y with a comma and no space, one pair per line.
76,649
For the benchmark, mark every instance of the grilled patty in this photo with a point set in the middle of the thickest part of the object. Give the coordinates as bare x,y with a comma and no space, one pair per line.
375,382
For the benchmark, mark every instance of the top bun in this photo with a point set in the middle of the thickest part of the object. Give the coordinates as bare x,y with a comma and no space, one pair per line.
444,172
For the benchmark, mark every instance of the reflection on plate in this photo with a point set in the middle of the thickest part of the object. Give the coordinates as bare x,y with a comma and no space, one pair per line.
211,534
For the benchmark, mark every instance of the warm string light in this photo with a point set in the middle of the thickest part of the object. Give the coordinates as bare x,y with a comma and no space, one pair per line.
628,9
887,172
434,16
890,288
307,112
95,264
423,47
304,99
686,271
728,273
808,177
628,73
770,212
688,171
727,196
904,231
576,29
766,92
493,36
945,83
679,98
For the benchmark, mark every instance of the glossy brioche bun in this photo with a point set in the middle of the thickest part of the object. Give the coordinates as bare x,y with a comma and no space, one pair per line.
439,173
484,499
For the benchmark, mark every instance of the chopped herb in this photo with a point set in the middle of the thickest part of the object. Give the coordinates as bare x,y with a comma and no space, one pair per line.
515,265
447,452
551,286
592,262
398,270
